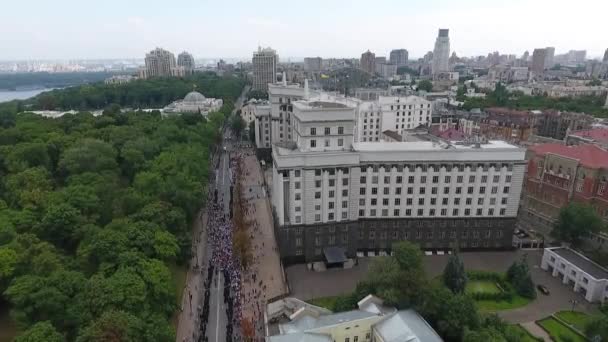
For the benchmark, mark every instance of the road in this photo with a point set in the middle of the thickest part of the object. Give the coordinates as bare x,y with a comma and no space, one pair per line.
216,328
188,324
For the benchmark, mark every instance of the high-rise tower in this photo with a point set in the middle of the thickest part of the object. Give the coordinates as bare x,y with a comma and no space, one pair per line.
264,68
441,53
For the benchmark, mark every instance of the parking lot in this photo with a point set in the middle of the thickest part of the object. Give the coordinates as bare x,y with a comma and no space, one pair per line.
305,284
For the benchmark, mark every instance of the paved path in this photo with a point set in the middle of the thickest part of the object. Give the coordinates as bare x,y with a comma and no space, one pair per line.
537,331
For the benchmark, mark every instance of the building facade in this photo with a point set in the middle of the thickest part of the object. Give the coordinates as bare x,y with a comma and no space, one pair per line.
558,175
186,61
394,113
264,68
549,57
368,62
556,125
159,63
539,58
313,64
329,191
399,57
441,52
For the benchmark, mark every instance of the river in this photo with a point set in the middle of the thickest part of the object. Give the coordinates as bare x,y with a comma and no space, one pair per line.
7,95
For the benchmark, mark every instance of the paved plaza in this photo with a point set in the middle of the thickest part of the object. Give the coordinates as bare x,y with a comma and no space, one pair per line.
264,280
307,284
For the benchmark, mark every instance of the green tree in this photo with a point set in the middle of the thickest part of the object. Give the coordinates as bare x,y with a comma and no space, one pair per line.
89,155
454,275
598,326
252,131
425,85
576,222
460,314
41,331
483,335
237,124
408,256
519,275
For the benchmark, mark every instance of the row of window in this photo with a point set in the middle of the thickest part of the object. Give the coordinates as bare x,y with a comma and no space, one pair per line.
436,168
429,234
446,190
327,143
433,201
430,212
326,130
434,179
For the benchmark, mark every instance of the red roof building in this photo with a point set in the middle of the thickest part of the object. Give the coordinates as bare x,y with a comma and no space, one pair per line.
558,175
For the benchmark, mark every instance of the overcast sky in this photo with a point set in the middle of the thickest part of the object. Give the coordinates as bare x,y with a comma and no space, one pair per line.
64,29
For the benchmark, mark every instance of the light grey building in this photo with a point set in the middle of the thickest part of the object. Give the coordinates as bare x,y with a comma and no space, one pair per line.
539,59
159,63
441,52
186,61
313,64
330,191
549,57
399,57
368,62
264,68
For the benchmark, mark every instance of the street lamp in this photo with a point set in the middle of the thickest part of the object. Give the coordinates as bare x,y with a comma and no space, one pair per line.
574,302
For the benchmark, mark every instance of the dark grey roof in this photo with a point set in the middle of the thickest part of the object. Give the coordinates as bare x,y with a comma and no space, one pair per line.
334,255
582,262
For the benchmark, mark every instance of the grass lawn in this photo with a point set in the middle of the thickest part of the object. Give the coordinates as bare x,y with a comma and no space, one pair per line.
324,302
527,336
560,332
481,286
8,330
178,273
577,319
491,305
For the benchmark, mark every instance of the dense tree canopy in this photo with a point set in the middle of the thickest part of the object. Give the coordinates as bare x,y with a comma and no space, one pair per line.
94,210
500,97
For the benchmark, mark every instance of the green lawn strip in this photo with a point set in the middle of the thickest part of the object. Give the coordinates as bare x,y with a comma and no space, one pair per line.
577,319
481,286
528,337
491,305
324,302
559,332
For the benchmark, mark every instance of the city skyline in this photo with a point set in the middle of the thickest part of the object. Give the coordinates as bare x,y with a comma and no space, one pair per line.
62,30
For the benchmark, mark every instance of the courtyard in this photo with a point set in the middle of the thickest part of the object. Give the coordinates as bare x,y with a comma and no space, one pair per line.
307,285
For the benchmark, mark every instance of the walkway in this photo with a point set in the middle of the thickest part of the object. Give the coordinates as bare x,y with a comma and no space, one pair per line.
537,331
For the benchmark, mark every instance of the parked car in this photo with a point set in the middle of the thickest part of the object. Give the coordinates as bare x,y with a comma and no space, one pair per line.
543,289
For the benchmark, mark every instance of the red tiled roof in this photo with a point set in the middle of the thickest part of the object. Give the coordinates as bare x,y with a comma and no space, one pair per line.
597,134
588,154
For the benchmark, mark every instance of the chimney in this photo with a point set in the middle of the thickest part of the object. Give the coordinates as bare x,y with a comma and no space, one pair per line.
306,94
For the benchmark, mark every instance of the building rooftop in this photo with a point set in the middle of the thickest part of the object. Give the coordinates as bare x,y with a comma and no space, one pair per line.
595,134
310,323
580,261
588,155
428,146
406,325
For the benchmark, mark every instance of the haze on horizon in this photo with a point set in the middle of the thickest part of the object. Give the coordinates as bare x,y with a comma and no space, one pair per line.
67,29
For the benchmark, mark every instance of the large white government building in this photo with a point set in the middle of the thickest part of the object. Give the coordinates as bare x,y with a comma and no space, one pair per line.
332,188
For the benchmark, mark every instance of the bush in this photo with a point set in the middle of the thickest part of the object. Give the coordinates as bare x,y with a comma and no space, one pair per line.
481,275
503,296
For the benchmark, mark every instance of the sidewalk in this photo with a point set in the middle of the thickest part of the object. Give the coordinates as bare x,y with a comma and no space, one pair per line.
188,322
537,331
265,279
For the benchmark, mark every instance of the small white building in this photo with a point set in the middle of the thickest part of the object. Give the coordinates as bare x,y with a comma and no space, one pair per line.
578,272
194,102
